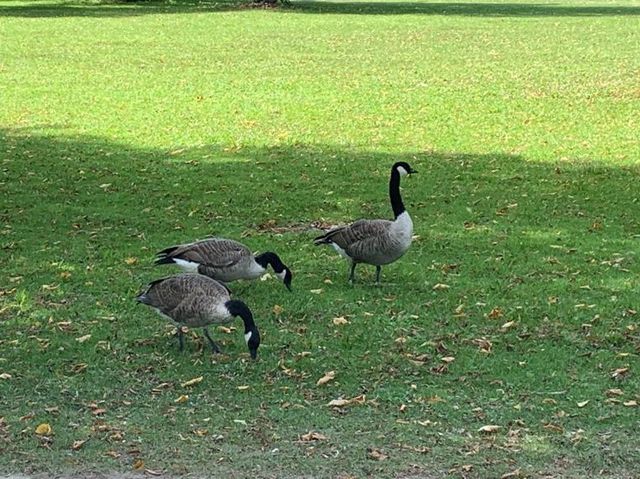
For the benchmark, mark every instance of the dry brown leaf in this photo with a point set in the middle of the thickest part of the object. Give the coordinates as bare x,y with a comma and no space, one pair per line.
113,454
511,475
77,445
243,388
448,359
313,436
339,402
340,320
317,291
495,313
5,376
631,403
225,330
152,472
138,464
507,325
277,310
376,454
44,429
329,376
84,338
619,373
582,404
201,432
440,286
614,392
489,429
192,382
182,398
553,427
131,260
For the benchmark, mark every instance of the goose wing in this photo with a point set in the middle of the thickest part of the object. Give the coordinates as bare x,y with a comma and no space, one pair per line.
185,297
361,238
217,253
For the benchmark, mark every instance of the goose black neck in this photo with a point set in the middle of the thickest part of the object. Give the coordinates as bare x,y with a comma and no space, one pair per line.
394,193
272,259
238,308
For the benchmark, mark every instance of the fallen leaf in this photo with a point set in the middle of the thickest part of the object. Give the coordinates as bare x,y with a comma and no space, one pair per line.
182,398
583,403
495,313
440,286
619,373
330,376
138,464
489,429
553,427
448,359
243,388
507,325
511,475
44,429
317,291
131,260
5,376
192,382
631,403
339,402
614,392
201,432
376,454
84,338
226,330
113,454
277,310
340,321
313,436
77,445
151,472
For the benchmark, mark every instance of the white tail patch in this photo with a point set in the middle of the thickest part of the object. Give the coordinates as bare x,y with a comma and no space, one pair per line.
247,336
188,266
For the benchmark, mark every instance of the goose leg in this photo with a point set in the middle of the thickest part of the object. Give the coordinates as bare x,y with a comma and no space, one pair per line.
180,335
378,269
353,269
214,346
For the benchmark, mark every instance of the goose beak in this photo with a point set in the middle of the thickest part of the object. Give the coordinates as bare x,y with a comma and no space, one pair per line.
413,172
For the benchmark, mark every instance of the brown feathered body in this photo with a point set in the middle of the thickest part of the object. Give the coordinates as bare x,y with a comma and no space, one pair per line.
188,299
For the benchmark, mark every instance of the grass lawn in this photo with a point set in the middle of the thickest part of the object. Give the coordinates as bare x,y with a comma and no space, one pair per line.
128,127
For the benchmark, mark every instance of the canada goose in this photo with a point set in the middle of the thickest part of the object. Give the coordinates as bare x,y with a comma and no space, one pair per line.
223,260
197,301
375,242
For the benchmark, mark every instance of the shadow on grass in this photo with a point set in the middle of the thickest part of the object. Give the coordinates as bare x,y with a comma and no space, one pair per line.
71,192
471,9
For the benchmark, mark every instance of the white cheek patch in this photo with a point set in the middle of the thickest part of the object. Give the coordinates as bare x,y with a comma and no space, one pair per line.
402,171
281,275
247,336
188,266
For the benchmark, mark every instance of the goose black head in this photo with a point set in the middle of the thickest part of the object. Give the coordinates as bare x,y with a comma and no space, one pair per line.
403,168
253,342
286,275
279,268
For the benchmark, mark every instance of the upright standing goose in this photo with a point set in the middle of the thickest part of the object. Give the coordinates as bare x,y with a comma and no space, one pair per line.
224,260
376,242
197,301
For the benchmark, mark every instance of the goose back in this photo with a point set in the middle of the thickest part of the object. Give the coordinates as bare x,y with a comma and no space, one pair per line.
189,299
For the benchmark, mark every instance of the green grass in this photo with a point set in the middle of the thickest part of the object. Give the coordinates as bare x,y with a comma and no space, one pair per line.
125,128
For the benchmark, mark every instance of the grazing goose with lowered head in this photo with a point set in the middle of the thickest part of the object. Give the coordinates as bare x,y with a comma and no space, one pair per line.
197,301
224,260
376,242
